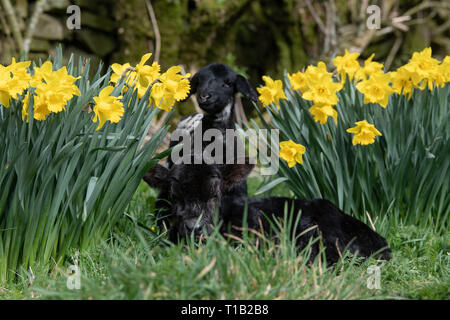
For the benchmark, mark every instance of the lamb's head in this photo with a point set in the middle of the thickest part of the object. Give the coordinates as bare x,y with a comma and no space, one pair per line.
216,85
195,192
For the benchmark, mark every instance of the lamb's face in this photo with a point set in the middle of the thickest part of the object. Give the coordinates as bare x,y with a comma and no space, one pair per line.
195,192
216,85
215,88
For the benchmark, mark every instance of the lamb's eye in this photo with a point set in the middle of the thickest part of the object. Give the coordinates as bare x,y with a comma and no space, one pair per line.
227,84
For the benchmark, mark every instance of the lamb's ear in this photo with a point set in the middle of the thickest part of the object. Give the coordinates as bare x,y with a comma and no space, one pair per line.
194,84
244,87
236,173
157,177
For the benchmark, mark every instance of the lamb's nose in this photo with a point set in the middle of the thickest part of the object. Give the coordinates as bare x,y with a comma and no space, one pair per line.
204,97
192,226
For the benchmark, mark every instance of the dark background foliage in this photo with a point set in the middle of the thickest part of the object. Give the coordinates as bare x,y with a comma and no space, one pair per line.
255,37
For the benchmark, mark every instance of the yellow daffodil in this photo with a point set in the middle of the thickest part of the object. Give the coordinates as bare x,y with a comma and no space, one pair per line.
5,87
141,76
322,90
145,70
64,81
172,86
107,107
176,83
444,69
40,107
146,74
376,89
272,92
364,133
314,73
424,69
119,69
55,97
291,152
162,97
347,65
401,82
39,73
19,70
322,112
165,88
370,67
14,80
53,90
298,81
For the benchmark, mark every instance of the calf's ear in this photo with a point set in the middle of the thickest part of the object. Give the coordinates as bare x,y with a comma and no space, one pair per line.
237,172
244,87
157,177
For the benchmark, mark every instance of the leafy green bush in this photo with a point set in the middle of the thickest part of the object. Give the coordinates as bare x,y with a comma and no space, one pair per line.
64,183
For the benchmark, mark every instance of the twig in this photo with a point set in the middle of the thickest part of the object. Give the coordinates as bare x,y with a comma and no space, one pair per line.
38,9
193,99
426,5
124,72
316,16
196,106
362,17
152,16
13,23
237,115
441,28
331,41
161,120
320,250
339,252
370,220
239,109
397,22
363,41
392,53
4,24
353,10
83,67
363,10
259,234
232,236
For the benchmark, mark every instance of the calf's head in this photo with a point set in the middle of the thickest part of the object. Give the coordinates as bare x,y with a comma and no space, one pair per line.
195,191
216,85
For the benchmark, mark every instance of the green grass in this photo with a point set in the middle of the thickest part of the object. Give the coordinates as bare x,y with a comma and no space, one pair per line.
136,264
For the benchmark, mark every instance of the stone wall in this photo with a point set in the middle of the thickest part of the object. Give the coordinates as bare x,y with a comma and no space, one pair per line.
255,37
97,38
265,36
